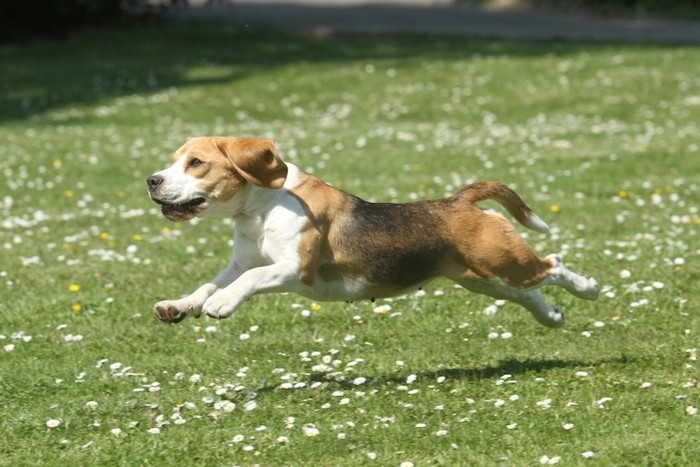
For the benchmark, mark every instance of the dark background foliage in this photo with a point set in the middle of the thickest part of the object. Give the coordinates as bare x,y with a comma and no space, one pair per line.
23,19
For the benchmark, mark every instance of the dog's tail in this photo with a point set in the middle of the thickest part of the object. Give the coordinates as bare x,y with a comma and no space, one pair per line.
510,200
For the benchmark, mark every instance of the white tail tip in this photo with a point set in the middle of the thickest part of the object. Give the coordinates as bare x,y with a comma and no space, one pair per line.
537,224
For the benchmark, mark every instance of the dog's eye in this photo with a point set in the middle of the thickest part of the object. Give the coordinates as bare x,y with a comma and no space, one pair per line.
194,162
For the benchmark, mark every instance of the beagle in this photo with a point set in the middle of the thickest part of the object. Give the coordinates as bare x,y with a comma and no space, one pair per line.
295,233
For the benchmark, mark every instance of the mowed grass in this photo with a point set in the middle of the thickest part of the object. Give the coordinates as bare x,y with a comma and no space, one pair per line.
601,140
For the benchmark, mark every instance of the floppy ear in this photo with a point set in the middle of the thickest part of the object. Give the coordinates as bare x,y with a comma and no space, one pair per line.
256,160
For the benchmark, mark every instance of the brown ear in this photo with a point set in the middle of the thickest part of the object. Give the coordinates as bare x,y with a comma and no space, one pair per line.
256,160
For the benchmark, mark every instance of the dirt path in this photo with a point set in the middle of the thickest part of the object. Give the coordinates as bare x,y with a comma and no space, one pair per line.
438,17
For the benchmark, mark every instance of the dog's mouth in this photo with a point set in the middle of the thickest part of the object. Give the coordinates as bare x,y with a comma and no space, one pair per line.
181,211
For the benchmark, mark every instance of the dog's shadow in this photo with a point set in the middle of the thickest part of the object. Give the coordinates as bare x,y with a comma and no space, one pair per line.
510,367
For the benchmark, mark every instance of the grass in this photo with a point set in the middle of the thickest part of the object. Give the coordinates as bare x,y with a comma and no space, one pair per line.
601,140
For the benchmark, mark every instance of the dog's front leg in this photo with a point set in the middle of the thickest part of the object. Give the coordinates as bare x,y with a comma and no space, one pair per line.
278,277
174,311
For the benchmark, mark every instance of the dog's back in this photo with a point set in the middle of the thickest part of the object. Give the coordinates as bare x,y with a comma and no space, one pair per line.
401,246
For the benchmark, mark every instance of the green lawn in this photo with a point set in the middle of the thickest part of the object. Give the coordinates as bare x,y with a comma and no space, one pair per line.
600,140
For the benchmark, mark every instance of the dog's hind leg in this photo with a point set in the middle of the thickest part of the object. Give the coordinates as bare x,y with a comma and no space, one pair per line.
531,300
576,285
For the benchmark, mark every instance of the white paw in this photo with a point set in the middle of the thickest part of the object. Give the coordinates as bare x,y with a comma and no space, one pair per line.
551,316
174,311
219,306
556,317
593,289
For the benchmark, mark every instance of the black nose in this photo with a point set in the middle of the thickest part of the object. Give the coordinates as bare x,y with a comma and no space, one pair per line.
154,182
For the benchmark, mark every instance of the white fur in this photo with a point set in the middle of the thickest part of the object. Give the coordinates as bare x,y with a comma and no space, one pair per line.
178,186
534,222
576,285
266,256
531,300
537,224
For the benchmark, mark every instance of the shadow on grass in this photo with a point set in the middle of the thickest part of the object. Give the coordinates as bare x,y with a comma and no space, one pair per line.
93,66
511,367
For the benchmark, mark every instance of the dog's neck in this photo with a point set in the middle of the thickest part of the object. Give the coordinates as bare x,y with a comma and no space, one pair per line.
253,201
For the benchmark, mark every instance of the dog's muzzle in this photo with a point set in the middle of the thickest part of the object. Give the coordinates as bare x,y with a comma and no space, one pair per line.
174,211
153,182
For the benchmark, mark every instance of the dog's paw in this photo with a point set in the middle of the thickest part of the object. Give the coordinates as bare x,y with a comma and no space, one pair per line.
557,317
173,311
553,317
219,306
586,289
593,289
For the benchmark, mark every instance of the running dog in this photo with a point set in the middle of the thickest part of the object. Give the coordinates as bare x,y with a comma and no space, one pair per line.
295,233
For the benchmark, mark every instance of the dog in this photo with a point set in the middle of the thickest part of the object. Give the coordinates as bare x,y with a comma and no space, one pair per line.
295,233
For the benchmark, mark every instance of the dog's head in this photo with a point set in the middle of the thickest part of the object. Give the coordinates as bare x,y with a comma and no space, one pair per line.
208,172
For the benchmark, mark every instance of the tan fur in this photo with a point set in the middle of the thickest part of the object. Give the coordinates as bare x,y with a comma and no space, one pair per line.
245,160
323,206
481,191
351,249
474,244
218,175
488,246
255,159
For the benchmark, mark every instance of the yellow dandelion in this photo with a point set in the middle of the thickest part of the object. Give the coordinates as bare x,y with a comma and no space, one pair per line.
622,194
316,307
137,237
697,220
104,235
165,231
76,307
382,309
73,287
120,194
68,193
57,163
554,208
656,192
